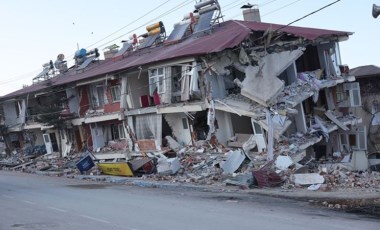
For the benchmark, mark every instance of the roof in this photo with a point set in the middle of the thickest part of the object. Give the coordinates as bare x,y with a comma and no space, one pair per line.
365,71
304,32
225,35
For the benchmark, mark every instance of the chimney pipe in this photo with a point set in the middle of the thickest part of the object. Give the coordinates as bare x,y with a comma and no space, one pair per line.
251,13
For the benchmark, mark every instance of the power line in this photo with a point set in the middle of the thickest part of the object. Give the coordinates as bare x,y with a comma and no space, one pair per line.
299,19
155,8
283,7
150,21
16,78
260,6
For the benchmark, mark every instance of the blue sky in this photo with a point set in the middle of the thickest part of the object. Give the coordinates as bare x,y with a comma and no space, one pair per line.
34,32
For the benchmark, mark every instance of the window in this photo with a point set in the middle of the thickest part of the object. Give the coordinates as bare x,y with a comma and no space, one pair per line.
348,95
121,131
341,95
257,128
115,93
157,81
117,131
97,96
184,123
100,91
356,140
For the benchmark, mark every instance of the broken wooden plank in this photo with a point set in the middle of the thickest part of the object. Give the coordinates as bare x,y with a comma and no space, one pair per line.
22,165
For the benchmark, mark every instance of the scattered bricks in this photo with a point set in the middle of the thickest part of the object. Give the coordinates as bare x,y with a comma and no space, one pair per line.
325,188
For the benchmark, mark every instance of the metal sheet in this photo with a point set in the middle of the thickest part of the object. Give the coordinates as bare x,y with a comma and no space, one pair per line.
86,63
115,168
124,49
204,22
178,32
42,74
149,41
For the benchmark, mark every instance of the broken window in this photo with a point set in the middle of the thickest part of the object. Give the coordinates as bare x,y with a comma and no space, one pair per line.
157,81
115,93
97,94
354,140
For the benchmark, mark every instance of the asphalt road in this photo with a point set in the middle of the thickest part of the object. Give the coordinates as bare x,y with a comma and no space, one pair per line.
30,201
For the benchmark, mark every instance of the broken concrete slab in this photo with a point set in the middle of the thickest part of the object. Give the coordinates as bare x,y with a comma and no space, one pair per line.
243,180
173,144
168,165
283,162
334,119
261,83
307,179
233,162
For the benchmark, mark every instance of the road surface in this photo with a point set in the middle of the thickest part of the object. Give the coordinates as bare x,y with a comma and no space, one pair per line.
29,201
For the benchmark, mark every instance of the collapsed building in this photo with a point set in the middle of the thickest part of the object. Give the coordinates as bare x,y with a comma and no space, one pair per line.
270,90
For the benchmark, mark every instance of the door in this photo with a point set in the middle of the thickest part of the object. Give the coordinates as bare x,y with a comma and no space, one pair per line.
259,136
48,144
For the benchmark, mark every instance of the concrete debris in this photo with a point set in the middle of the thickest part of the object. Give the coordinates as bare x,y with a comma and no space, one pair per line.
173,144
314,187
334,119
307,179
244,180
168,165
261,83
233,162
283,162
216,165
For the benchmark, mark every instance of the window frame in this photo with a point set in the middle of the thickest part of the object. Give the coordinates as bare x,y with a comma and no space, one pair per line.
360,139
116,94
122,135
157,80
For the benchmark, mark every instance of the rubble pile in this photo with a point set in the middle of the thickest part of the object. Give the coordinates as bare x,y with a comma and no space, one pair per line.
18,161
216,165
341,177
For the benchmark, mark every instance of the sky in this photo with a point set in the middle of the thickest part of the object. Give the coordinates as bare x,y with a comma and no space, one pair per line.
34,32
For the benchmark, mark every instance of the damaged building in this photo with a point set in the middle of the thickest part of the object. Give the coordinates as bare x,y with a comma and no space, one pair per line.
270,90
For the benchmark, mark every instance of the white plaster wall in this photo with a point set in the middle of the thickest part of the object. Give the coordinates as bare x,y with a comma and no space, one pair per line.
182,135
225,130
10,113
11,118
